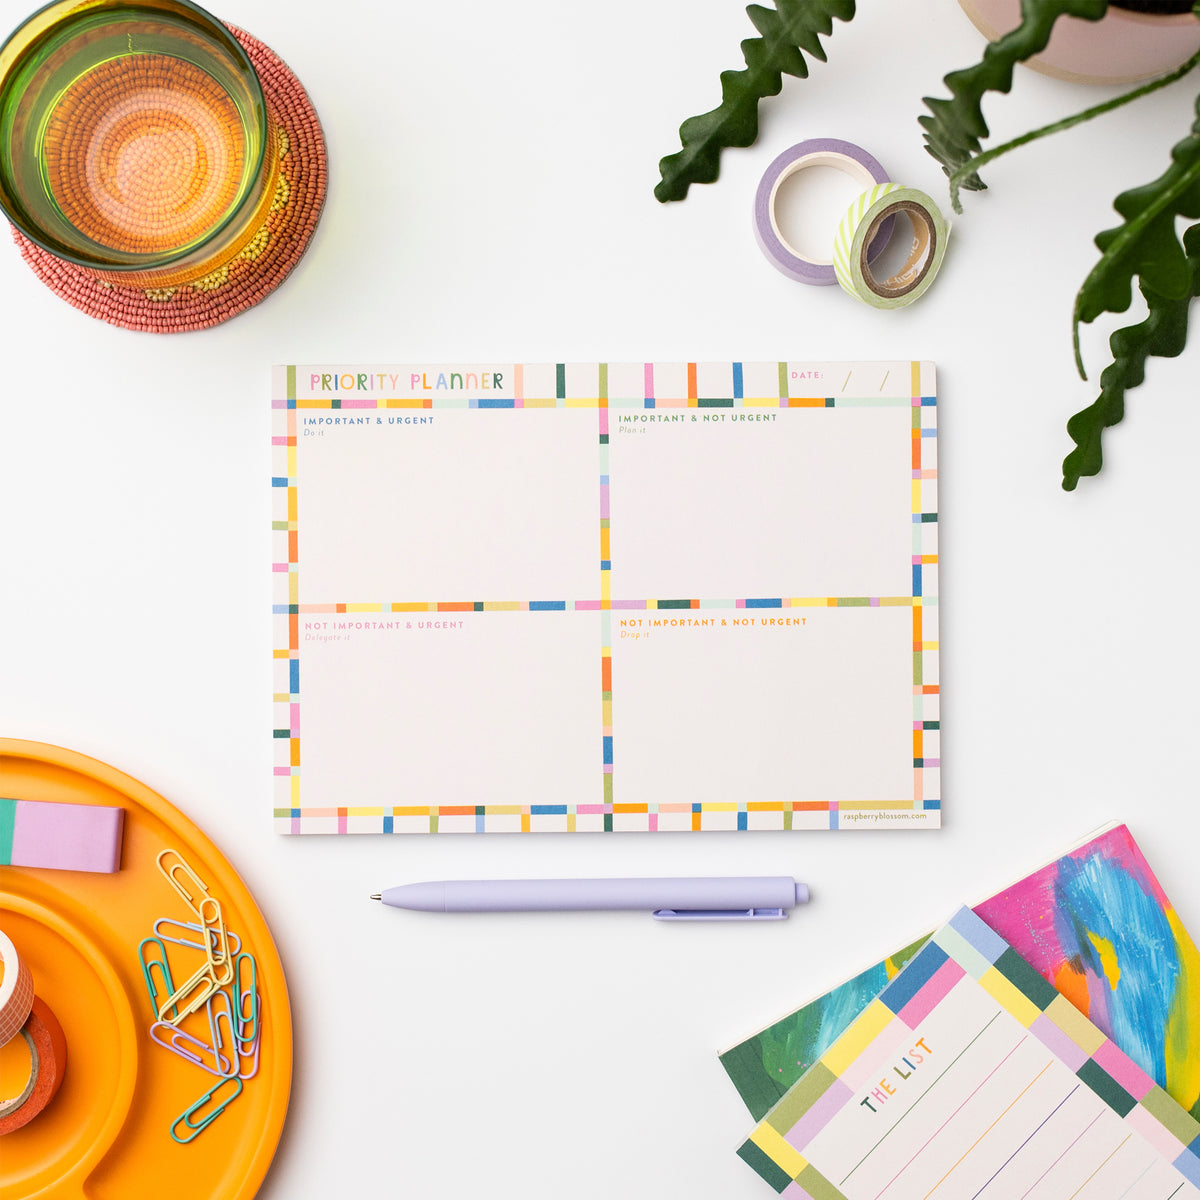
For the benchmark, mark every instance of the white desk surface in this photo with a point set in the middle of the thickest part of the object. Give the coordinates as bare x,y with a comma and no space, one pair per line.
490,197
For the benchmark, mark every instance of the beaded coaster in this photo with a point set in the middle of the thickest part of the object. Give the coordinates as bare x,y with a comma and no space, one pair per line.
260,268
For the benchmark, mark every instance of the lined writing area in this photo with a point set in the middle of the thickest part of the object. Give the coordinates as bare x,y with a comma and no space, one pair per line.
1004,1119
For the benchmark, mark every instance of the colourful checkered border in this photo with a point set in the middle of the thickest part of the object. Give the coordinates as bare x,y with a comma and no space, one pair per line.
966,946
604,387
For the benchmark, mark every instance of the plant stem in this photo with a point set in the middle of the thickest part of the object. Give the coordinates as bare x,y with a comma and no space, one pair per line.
971,166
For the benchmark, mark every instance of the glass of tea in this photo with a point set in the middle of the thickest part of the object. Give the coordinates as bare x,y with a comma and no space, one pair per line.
135,141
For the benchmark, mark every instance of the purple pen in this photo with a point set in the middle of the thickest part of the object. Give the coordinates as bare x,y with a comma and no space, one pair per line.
748,898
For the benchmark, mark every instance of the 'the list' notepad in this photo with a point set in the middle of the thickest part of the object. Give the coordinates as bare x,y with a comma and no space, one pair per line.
607,596
970,1076
1095,922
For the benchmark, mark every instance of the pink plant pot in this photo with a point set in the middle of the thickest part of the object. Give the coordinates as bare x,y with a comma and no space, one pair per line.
1122,47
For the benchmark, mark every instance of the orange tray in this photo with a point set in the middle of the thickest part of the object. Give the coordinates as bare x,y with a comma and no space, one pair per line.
106,1135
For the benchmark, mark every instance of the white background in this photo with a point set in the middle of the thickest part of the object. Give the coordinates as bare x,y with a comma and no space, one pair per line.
490,198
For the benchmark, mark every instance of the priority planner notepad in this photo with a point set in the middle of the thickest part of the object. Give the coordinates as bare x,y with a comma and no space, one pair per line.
971,1076
605,597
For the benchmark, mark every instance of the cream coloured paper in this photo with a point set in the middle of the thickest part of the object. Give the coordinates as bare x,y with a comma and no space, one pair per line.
572,597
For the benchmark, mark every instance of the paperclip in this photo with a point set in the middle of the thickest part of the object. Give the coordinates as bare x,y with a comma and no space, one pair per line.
168,923
194,1127
179,1041
248,1051
148,973
246,1000
195,992
216,941
192,888
212,922
220,1014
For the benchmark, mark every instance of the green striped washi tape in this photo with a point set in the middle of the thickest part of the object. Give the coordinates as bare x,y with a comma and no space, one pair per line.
859,226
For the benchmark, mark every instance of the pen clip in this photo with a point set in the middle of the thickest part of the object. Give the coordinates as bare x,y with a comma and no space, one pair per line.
718,914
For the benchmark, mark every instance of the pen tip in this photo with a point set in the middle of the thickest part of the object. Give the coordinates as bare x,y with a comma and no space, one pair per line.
377,896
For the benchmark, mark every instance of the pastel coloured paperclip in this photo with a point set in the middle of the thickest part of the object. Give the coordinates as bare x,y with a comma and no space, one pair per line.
179,1041
182,878
248,1058
246,1000
222,1030
190,996
199,1116
167,927
149,972
216,941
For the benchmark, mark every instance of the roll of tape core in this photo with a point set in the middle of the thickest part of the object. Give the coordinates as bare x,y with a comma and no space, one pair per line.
868,214
817,152
16,991
13,1103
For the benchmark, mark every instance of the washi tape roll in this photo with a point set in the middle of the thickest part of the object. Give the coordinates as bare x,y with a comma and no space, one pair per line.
817,152
48,1062
859,226
16,991
13,1103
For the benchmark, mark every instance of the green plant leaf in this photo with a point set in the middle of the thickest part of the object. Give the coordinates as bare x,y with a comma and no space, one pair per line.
796,26
1146,244
972,165
1163,333
955,128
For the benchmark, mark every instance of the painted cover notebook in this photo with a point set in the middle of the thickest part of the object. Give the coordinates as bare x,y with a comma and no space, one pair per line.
971,1076
1095,923
605,597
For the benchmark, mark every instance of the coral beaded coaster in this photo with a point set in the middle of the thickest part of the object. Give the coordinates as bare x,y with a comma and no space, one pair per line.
265,261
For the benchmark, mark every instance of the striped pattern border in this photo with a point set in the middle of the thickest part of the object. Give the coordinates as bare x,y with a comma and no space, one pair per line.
663,606
618,392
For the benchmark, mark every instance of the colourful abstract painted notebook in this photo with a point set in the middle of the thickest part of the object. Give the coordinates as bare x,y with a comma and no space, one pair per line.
571,597
971,1076
1095,923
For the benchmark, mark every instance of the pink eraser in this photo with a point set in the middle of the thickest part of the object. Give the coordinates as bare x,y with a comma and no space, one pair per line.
68,837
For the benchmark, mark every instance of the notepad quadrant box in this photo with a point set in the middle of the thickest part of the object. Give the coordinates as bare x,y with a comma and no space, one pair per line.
468,504
566,597
676,674
748,503
492,683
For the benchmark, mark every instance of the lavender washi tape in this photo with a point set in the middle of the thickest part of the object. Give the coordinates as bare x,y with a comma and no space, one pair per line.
817,152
